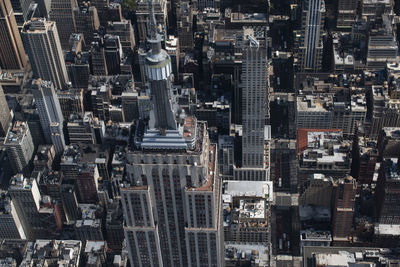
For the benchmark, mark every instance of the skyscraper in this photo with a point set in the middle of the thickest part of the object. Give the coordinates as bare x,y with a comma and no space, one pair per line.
50,114
87,21
347,13
311,43
42,44
61,11
19,146
254,107
343,212
172,198
12,54
5,117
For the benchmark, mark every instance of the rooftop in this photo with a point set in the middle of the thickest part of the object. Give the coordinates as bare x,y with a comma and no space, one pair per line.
52,253
16,133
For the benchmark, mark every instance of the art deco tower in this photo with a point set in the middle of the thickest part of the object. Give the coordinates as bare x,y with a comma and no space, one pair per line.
12,54
158,70
255,108
172,195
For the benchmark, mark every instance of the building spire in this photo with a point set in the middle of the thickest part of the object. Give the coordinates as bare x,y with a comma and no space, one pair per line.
153,36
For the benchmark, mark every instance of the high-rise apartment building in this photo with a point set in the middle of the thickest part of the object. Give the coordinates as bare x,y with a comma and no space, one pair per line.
5,116
41,42
12,53
51,117
343,213
311,43
62,13
172,199
19,146
255,113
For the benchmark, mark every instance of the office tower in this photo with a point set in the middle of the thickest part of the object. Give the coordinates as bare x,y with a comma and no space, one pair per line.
71,102
40,38
311,43
10,223
142,16
19,146
61,12
99,66
172,45
124,30
69,201
5,116
51,117
87,183
317,191
78,69
130,106
185,26
102,7
343,211
172,215
12,53
87,21
254,107
388,193
113,54
81,130
21,10
347,13
36,211
382,48
114,12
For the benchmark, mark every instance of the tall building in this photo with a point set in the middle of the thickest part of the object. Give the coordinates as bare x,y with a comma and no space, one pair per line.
347,13
172,199
38,216
12,53
388,193
42,44
185,26
19,146
5,116
124,30
21,10
343,213
87,21
311,43
62,13
255,113
98,62
113,54
51,117
10,222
